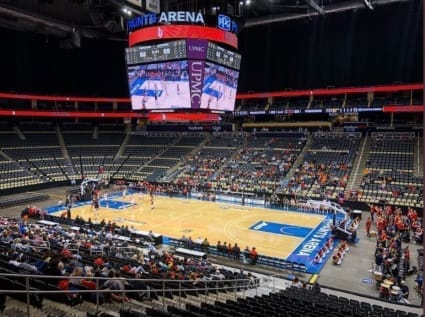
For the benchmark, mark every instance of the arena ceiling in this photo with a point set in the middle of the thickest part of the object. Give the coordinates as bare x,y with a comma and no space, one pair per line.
73,19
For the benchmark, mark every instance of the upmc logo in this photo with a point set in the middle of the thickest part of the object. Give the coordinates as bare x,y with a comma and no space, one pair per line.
225,23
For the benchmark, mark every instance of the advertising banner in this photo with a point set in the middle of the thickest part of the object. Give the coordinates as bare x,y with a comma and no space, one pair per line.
196,81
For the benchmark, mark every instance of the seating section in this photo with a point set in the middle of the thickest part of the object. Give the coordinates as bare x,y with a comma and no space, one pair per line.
256,163
13,175
292,302
326,167
392,151
26,198
156,169
34,158
89,152
120,252
389,175
129,255
260,165
202,167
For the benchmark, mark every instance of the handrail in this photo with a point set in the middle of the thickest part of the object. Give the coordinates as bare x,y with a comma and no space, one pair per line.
209,285
269,281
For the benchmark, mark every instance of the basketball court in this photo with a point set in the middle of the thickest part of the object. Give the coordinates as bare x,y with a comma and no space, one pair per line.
290,235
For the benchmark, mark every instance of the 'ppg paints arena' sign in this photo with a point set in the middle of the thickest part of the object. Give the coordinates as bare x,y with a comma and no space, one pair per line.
223,22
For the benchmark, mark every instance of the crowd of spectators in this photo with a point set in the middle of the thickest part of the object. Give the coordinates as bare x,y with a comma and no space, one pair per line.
326,168
248,255
253,165
392,260
398,187
76,256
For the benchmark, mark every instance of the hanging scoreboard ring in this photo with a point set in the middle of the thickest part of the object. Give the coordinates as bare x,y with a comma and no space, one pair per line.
175,31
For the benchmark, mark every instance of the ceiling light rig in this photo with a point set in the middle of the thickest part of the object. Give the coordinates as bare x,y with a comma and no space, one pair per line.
127,11
368,4
316,7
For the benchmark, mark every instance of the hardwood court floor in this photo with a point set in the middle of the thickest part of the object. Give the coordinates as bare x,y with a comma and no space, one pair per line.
217,221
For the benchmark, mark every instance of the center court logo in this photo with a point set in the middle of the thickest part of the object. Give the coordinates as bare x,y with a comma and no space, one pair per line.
260,225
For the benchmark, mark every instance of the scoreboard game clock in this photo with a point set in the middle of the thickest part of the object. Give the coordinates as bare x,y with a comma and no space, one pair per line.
178,50
223,56
156,53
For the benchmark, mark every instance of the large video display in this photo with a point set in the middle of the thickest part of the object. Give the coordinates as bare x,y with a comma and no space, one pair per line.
159,86
219,87
183,74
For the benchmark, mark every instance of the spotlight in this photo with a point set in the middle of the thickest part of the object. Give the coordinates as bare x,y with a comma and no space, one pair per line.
126,11
368,4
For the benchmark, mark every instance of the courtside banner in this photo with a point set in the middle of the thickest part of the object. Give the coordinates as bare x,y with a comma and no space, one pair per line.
167,32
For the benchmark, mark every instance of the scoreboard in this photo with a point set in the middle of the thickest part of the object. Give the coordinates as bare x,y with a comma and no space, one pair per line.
223,57
183,74
156,53
178,50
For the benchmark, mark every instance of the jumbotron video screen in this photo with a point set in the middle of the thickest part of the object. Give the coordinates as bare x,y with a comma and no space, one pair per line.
219,87
170,76
159,86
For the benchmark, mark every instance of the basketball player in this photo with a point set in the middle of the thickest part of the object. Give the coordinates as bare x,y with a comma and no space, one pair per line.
96,209
144,98
210,98
94,197
152,200
156,92
164,85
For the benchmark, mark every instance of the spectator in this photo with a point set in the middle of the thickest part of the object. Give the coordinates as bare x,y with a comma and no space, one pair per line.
297,283
368,226
205,246
379,261
115,283
316,288
236,252
253,256
404,289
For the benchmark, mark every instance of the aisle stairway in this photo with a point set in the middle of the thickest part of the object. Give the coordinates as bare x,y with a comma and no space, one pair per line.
300,158
172,172
418,157
360,163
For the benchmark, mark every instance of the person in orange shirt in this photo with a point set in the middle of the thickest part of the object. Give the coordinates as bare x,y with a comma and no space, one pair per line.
253,255
368,226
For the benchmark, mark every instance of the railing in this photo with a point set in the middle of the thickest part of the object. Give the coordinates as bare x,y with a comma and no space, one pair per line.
242,256
237,286
240,288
